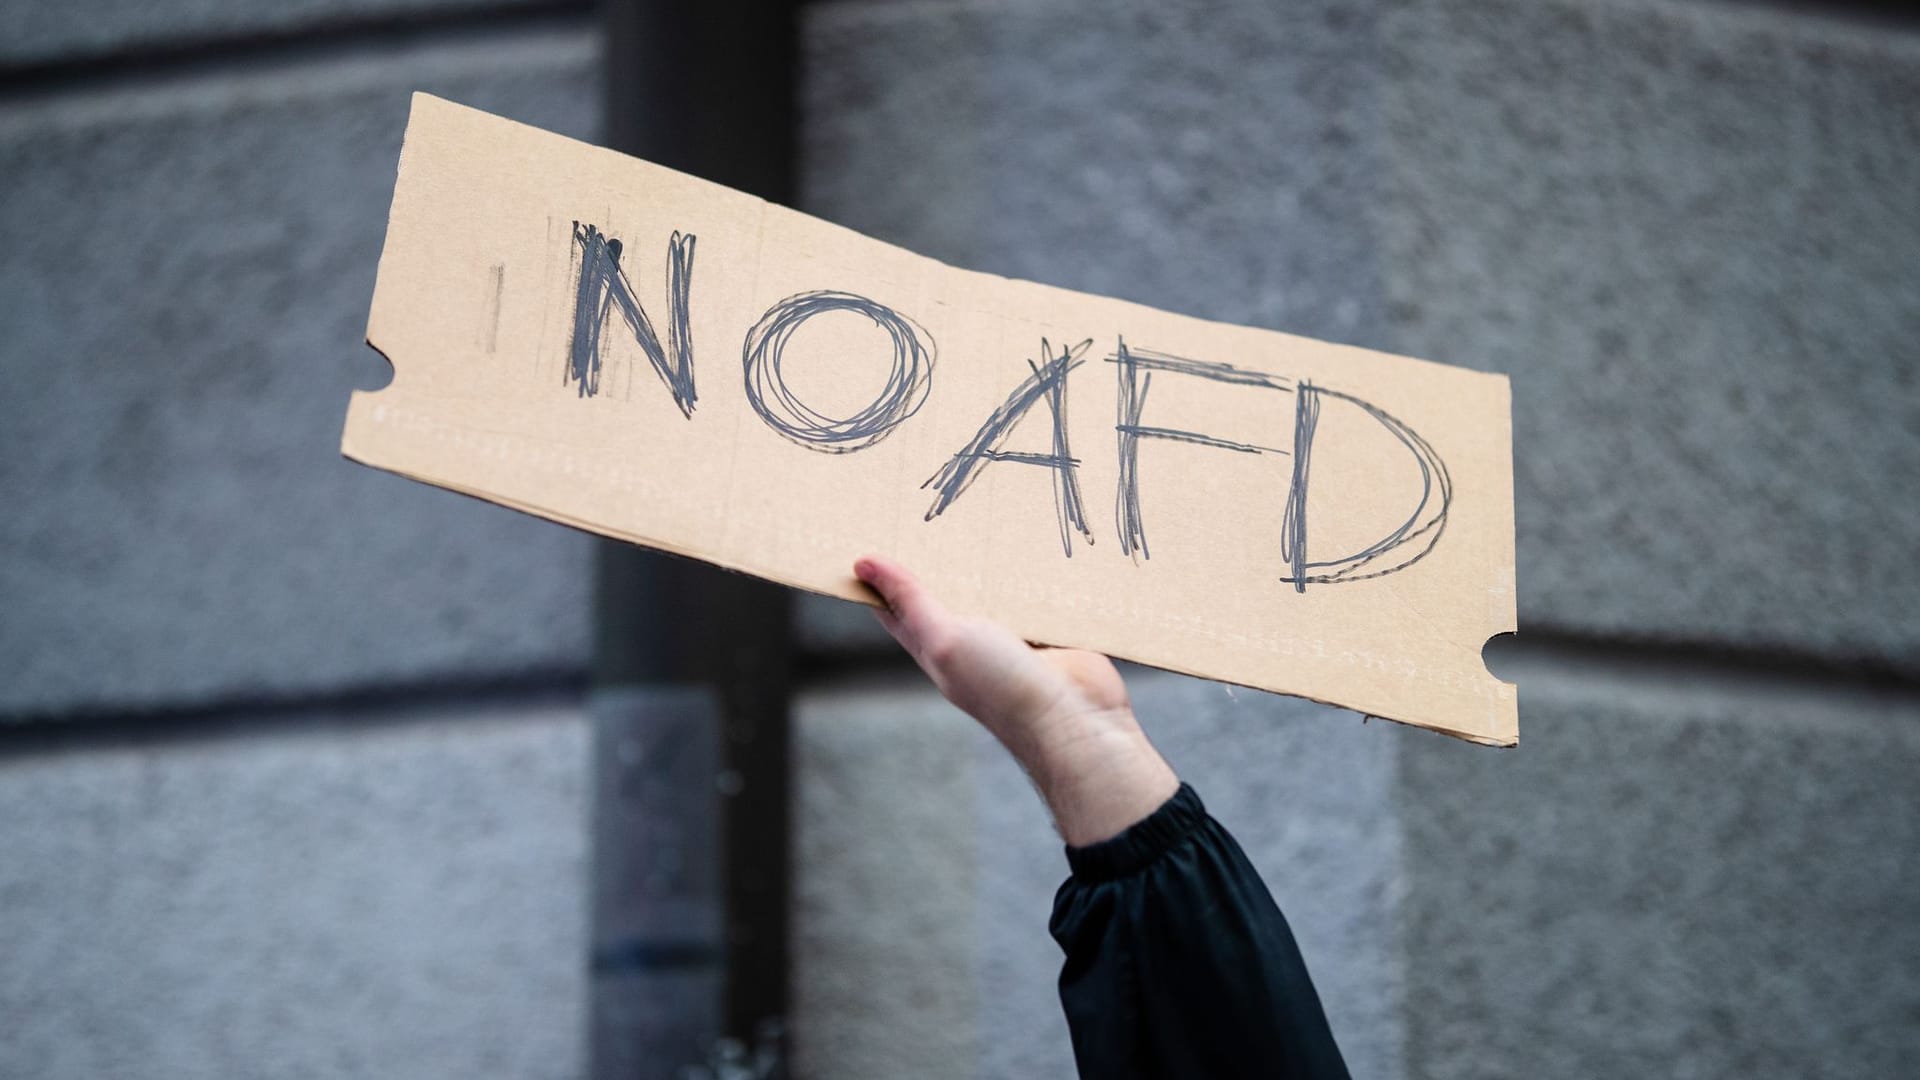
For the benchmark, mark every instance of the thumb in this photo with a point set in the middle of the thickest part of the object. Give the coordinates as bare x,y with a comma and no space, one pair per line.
912,616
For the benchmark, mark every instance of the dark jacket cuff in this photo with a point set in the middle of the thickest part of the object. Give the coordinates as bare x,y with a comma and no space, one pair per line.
1142,842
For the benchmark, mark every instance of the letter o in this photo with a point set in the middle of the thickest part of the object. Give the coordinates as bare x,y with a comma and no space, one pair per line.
906,389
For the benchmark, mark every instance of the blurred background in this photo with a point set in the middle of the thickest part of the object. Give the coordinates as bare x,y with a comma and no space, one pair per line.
306,770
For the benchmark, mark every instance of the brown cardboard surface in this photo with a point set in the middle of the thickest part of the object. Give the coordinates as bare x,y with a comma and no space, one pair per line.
630,350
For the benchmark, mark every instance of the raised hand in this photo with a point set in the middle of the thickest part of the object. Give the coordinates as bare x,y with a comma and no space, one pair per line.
1062,713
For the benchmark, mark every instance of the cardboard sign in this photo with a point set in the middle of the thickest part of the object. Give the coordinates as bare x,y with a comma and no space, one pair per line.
630,350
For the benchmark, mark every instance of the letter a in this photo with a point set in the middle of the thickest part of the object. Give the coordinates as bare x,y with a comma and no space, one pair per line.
1048,382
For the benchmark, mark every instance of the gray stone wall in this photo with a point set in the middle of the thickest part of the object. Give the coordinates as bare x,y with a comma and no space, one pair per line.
1686,231
376,893
186,285
261,823
81,31
293,761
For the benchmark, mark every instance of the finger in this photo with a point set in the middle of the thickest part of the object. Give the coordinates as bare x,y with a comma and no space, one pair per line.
916,616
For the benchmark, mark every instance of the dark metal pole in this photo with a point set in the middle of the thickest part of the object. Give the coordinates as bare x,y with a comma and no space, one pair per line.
690,848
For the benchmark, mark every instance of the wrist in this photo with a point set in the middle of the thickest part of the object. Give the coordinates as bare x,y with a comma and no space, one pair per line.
1100,777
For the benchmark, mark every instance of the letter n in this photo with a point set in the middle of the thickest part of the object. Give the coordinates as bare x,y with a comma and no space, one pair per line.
603,289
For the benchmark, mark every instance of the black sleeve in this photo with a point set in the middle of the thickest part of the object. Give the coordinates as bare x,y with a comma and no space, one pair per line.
1179,964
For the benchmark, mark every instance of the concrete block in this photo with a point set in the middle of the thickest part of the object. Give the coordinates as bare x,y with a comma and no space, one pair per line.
1687,232
185,296
1214,159
1016,962
884,855
399,895
1666,879
37,33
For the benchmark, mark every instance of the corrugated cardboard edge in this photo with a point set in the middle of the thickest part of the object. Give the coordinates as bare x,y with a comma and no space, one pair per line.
1502,729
